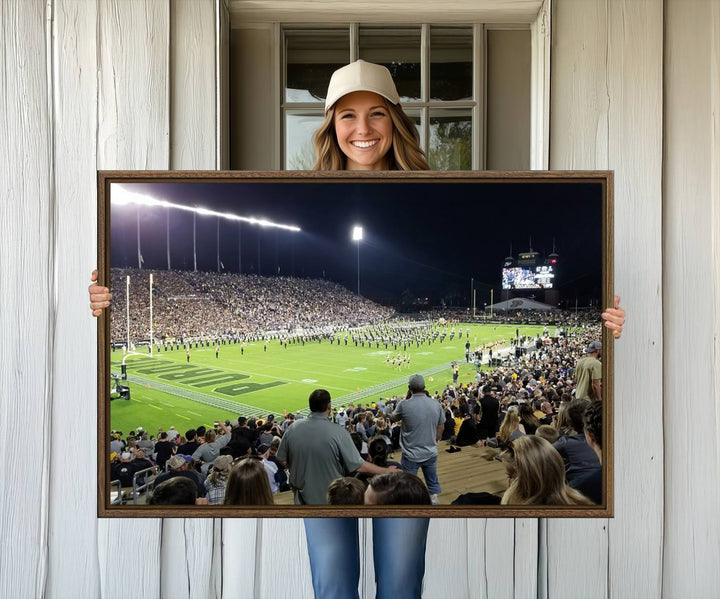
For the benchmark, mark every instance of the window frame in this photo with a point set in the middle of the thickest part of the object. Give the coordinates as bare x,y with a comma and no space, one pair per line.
476,106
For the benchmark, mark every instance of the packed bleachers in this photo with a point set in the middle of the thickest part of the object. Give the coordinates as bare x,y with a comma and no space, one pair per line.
202,304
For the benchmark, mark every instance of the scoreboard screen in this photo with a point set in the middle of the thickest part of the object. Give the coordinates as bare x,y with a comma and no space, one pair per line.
539,277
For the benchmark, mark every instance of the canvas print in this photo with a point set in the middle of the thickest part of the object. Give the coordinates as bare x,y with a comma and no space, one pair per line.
332,344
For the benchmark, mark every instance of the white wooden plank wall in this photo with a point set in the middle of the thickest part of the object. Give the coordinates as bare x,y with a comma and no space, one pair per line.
635,84
73,521
607,113
26,297
133,85
690,288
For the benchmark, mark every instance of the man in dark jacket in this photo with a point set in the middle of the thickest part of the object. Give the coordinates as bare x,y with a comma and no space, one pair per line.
490,406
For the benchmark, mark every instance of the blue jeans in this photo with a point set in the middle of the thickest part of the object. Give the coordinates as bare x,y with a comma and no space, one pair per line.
398,553
429,470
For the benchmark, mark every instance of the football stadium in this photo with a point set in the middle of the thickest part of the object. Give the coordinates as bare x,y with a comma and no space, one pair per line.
222,321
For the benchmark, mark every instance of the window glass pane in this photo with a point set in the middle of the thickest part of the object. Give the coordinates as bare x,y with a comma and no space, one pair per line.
451,69
415,117
311,58
450,145
299,149
399,51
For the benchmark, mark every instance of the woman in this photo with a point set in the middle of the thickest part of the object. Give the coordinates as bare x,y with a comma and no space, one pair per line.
216,482
511,429
364,129
528,419
537,475
248,484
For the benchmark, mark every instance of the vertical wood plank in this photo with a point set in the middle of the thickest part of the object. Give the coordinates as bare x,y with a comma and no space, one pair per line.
240,548
282,565
133,125
690,290
26,313
607,113
449,544
635,90
133,119
193,85
73,516
540,89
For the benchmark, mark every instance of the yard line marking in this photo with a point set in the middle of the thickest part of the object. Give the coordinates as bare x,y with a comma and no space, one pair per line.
152,406
169,405
181,416
194,414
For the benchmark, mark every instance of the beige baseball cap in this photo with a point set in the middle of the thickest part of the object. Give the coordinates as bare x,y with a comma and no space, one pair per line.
361,76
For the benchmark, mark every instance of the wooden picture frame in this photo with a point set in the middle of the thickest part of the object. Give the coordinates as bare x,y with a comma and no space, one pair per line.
466,204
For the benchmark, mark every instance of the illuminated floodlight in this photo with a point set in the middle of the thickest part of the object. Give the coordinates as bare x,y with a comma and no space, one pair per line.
357,233
121,196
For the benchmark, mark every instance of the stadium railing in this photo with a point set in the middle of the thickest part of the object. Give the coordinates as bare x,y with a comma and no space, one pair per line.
141,487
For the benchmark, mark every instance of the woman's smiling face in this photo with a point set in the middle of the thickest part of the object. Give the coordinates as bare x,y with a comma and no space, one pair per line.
364,130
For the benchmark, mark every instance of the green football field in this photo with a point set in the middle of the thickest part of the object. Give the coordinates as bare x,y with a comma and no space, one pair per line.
167,390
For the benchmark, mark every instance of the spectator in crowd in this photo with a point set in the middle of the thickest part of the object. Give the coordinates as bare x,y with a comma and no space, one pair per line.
287,421
396,488
271,467
191,443
422,422
175,491
490,408
146,445
588,373
117,445
536,475
248,484
547,432
347,490
244,431
123,470
164,449
590,483
527,418
179,466
579,457
172,433
510,429
216,482
316,451
208,451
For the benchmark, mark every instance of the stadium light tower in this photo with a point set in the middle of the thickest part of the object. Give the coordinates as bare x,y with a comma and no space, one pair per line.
357,235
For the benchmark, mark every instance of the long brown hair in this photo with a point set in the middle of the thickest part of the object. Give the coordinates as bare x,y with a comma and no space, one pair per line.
509,425
538,475
248,484
404,155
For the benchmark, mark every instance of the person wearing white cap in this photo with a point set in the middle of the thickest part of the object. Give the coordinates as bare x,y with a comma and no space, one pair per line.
366,129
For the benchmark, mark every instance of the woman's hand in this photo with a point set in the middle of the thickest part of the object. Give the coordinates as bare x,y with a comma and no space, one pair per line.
99,296
615,318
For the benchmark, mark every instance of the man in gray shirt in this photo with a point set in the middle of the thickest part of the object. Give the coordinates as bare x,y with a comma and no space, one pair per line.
317,451
423,421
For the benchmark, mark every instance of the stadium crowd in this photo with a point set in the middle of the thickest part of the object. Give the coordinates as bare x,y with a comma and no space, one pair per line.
211,305
539,394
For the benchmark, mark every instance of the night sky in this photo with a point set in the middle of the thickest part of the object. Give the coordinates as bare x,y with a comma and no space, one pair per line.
421,239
